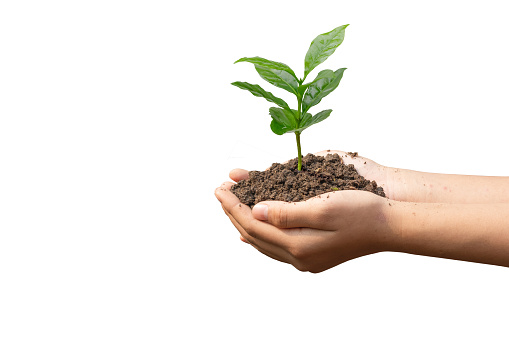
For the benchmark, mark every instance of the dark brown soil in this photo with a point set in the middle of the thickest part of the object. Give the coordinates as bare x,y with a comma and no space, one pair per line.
319,175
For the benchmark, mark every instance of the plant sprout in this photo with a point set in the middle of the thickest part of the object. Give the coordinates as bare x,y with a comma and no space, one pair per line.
285,119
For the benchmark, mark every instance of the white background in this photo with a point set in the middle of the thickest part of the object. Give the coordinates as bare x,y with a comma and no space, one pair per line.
118,120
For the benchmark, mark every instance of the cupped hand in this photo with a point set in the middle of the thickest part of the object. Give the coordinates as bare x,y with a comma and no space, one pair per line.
316,234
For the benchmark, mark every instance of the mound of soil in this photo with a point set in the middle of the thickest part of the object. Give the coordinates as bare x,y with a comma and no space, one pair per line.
319,175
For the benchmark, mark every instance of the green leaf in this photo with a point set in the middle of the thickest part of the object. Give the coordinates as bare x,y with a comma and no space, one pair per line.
260,92
320,116
322,47
279,78
280,126
310,120
305,121
302,89
261,62
326,81
276,73
283,120
284,116
277,128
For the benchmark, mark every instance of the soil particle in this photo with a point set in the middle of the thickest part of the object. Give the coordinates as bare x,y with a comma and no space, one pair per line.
319,175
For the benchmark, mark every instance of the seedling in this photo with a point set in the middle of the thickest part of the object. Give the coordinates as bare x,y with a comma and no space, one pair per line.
285,119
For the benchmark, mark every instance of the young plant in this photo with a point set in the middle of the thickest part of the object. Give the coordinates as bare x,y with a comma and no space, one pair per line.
285,119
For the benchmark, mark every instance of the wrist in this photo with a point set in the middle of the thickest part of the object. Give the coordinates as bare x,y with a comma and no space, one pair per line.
391,239
385,232
399,188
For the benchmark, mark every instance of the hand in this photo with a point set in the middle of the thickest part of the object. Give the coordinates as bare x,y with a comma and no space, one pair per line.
327,230
316,234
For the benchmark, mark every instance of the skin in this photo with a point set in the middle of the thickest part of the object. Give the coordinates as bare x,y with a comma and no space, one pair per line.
447,216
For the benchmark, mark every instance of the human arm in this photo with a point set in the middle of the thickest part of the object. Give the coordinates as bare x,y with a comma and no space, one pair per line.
448,188
322,232
469,232
407,185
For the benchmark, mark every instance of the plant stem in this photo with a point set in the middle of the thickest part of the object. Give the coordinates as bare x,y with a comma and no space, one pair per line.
297,134
299,108
299,159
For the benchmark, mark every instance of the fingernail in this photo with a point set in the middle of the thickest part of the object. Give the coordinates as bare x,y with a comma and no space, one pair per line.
261,212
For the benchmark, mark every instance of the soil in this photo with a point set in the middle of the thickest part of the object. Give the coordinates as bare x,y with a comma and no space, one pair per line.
319,175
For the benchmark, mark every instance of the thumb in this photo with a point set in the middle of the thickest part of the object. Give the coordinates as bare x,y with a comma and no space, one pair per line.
286,215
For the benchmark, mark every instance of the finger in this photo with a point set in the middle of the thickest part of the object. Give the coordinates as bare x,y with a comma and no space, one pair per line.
268,249
268,254
281,214
253,228
242,231
239,174
225,187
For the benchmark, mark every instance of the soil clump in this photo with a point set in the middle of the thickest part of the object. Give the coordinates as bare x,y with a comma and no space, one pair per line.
319,175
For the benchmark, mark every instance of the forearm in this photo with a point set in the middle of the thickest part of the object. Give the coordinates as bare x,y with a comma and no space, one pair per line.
447,188
473,232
